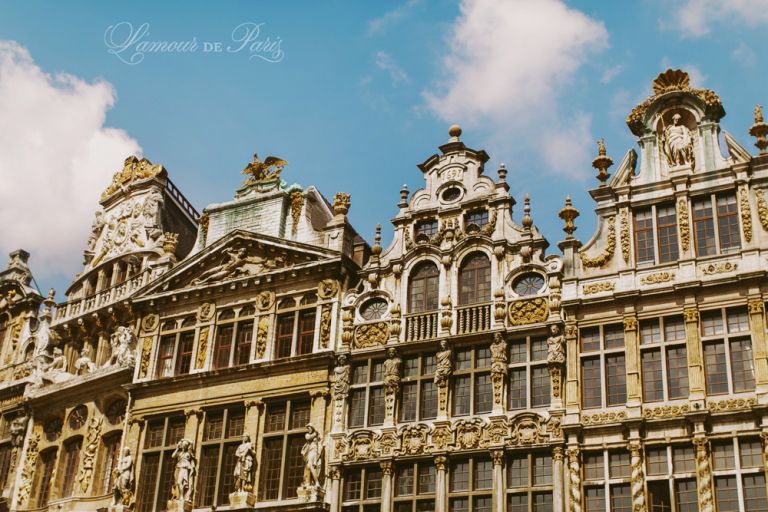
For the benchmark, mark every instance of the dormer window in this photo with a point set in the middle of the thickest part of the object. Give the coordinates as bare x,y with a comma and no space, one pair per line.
475,220
425,230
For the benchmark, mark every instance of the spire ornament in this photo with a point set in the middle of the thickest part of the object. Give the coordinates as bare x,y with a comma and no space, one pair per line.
568,214
602,162
376,249
759,130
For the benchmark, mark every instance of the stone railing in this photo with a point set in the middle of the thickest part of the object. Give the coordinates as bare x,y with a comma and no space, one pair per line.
421,326
77,307
474,318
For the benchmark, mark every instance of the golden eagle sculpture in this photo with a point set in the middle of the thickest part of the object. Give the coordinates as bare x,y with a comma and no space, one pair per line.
269,169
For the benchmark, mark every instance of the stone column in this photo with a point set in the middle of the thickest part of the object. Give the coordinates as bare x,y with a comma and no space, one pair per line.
334,499
703,474
387,469
574,479
759,346
498,480
637,475
632,355
572,397
558,485
441,485
695,357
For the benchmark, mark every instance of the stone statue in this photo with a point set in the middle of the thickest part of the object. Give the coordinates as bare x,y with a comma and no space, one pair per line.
341,378
18,428
499,355
678,143
312,453
444,364
245,466
186,468
122,489
151,208
392,371
122,342
758,114
84,365
49,369
96,228
555,346
234,261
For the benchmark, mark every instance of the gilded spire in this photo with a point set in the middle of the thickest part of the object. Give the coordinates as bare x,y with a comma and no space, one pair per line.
602,162
568,214
759,130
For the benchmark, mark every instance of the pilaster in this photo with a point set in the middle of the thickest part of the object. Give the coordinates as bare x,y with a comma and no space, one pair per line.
695,357
334,477
572,384
632,355
498,480
441,487
558,485
759,348
387,470
703,474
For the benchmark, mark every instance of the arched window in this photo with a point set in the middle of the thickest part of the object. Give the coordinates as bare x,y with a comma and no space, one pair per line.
475,279
422,293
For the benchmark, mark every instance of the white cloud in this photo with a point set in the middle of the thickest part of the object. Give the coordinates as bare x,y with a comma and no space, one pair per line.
381,24
695,18
56,156
744,55
385,62
507,65
611,73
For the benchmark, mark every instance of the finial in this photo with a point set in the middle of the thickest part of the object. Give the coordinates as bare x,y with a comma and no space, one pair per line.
341,202
51,294
502,172
602,163
403,196
759,130
455,132
376,249
527,221
568,214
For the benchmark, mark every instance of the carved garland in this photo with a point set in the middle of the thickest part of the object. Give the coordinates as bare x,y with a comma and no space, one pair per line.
719,268
604,417
524,312
325,325
297,204
625,236
658,277
145,350
762,209
603,286
27,472
665,412
746,215
685,229
371,335
732,404
610,247
262,331
202,348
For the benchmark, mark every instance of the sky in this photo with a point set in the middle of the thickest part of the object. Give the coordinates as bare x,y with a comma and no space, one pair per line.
352,94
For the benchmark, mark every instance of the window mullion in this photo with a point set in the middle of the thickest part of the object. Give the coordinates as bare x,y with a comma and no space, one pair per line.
716,224
655,232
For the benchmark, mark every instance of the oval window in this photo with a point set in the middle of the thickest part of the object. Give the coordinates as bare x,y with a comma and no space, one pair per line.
528,284
373,309
451,194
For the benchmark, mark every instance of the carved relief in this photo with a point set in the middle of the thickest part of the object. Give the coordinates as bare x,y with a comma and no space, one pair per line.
28,470
658,277
495,433
610,247
469,433
149,323
262,332
732,404
341,203
92,438
719,268
704,474
205,312
762,208
360,447
685,228
202,348
524,312
526,430
574,481
624,232
146,348
498,366
133,170
414,439
386,444
297,204
637,477
665,411
325,325
442,437
265,300
602,286
746,214
327,289
371,335
604,417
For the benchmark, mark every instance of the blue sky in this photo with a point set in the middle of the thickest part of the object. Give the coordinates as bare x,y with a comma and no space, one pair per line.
363,92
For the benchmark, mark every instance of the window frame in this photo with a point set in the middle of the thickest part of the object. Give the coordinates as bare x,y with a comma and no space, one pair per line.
431,284
180,334
738,471
663,347
238,324
601,353
171,431
228,439
473,373
530,489
285,435
655,231
715,219
606,482
528,366
296,313
471,272
726,338
425,375
374,381
472,492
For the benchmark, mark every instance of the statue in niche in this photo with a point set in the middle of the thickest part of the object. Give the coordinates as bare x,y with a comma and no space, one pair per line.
312,453
677,142
122,343
84,365
245,466
186,468
499,355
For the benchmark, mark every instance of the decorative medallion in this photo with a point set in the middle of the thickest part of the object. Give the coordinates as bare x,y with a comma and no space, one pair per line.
206,311
77,417
265,300
371,335
658,277
327,289
719,268
149,323
524,312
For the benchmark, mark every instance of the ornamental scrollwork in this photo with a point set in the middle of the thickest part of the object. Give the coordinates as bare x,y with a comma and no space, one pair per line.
145,350
441,437
371,335
665,412
414,439
658,277
262,333
202,348
28,470
610,247
602,286
719,268
360,446
469,433
604,417
762,209
732,404
531,311
325,325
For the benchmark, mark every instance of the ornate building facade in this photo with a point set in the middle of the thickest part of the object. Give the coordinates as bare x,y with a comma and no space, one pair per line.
262,356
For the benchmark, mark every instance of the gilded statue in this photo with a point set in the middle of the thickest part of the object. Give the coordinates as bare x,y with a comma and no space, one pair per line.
269,169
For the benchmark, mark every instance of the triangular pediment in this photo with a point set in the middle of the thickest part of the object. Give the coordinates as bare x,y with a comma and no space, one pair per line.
239,255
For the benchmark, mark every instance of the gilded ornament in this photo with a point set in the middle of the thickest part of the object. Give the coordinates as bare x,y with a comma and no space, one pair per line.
149,323
469,432
414,439
756,306
682,220
732,404
568,214
204,222
691,315
259,172
658,277
371,335
762,208
630,324
347,328
92,441
665,412
719,268
441,437
297,204
746,214
704,474
574,480
133,170
262,331
602,286
202,348
327,289
556,375
624,230
610,247
604,417
325,325
145,350
341,203
524,312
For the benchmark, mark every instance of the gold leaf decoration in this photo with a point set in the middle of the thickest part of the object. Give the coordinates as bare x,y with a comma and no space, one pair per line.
325,325
719,268
297,204
658,277
602,286
762,209
145,350
202,348
625,236
133,170
610,247
371,335
524,312
746,215
685,228
261,336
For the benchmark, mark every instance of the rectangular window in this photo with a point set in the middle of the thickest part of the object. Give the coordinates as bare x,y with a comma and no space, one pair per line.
715,366
306,331
46,463
677,372
742,367
728,359
656,460
644,236
284,336
70,463
686,495
728,222
281,458
470,483
156,477
591,382
666,223
726,494
224,335
367,406
652,376
754,492
704,227
615,378
529,384
222,434
243,346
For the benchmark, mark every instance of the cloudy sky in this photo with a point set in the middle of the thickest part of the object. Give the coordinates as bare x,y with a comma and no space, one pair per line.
353,94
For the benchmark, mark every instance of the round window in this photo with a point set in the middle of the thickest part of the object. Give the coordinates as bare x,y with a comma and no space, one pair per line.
77,417
528,284
374,309
451,194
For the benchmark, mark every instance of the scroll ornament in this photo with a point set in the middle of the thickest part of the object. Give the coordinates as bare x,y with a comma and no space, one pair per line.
610,247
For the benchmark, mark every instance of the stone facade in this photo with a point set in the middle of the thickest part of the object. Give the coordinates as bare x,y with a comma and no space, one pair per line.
261,355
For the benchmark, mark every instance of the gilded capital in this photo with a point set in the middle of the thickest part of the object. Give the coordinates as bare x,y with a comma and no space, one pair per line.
441,461
691,315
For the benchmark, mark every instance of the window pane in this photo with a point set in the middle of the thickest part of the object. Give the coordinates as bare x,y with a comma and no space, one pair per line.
650,331
658,496
594,499
674,328
618,464
408,401
722,456
652,375
754,492
299,415
427,478
591,382
475,280
666,223
749,453
483,474
593,466
461,396
306,331
656,461
704,227
677,372
357,408
590,339
284,337
644,236
428,400
376,407
728,222
483,394
270,468
620,499
683,459
715,369
275,418
542,469
352,485
711,323
540,386
517,351
517,471
686,496
726,495
516,391
538,349
738,321
404,481
615,379
459,478
742,367
223,345
372,483
614,336
294,466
